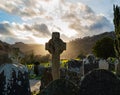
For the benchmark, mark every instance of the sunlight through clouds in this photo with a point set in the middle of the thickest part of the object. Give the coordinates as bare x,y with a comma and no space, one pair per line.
39,18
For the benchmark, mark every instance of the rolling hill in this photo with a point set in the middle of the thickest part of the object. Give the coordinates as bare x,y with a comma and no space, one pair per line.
74,47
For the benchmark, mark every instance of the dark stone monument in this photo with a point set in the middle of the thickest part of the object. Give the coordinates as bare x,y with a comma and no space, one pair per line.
91,58
100,82
36,68
63,72
74,64
74,77
46,78
90,63
14,80
112,63
55,46
90,67
60,87
111,67
14,76
75,71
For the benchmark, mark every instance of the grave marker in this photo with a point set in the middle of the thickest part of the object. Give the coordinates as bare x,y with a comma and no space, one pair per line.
60,87
14,80
55,46
100,82
103,64
14,76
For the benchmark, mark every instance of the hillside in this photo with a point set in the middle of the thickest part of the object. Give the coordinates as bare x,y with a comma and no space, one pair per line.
74,47
37,49
84,45
4,48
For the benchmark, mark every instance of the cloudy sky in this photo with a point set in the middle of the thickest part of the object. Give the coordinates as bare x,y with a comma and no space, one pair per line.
33,21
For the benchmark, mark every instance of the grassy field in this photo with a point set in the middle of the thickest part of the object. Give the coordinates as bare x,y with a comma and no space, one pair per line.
62,63
48,64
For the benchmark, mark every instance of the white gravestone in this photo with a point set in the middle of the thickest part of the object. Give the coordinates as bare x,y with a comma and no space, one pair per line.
103,64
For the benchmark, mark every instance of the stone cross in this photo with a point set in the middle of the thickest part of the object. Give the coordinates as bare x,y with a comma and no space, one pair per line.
55,46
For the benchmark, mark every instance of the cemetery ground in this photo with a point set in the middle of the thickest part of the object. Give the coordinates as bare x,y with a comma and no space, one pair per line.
35,81
75,78
87,76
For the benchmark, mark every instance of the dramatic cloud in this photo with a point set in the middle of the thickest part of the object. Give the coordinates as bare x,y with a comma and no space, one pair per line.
41,17
42,30
24,32
102,24
84,20
4,28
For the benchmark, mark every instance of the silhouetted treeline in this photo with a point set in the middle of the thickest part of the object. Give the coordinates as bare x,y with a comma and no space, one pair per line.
84,46
74,48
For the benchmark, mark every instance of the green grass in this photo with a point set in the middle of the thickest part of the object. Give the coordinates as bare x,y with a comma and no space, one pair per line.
45,64
62,63
34,77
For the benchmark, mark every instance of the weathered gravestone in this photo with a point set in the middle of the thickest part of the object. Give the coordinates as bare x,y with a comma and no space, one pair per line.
90,59
75,71
36,68
89,67
14,77
89,64
75,66
63,73
46,78
73,77
111,62
14,80
111,67
116,63
55,46
103,64
100,82
61,87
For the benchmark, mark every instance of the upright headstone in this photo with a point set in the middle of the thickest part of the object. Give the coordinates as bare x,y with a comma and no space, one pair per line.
60,87
46,78
55,46
14,77
100,82
75,71
14,80
91,59
116,63
103,64
36,68
89,64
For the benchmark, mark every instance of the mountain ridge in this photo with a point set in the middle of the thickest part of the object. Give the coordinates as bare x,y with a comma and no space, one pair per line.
74,47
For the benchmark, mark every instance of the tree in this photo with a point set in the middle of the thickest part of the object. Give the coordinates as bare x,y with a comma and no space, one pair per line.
28,59
116,21
104,48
